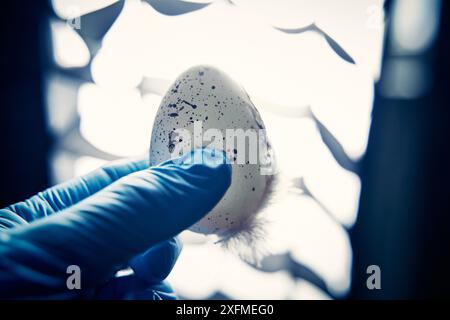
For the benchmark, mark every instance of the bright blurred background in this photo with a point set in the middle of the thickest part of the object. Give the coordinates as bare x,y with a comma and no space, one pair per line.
309,67
82,80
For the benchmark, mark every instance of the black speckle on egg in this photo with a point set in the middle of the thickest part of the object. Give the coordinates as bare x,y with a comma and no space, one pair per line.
213,87
193,106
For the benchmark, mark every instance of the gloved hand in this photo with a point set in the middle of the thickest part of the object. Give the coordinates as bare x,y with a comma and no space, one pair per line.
105,221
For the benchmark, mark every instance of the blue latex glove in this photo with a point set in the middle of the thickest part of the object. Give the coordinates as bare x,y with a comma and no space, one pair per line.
124,214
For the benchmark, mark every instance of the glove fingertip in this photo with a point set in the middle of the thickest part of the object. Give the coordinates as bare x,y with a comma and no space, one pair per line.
211,163
155,264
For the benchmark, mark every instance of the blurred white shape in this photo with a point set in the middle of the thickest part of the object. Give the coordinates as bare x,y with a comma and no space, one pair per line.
315,239
119,62
301,152
61,102
189,237
298,111
292,140
415,24
346,107
249,49
67,9
334,187
202,270
358,26
62,166
283,13
69,49
124,272
115,69
304,290
86,164
241,281
405,78
203,1
117,121
152,101
196,272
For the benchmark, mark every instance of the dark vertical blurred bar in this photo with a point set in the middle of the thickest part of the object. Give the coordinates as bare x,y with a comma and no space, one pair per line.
23,137
404,218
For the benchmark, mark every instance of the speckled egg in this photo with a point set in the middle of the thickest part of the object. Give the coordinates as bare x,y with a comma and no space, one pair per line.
204,107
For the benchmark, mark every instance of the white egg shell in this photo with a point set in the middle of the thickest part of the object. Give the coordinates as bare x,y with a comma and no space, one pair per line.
206,94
